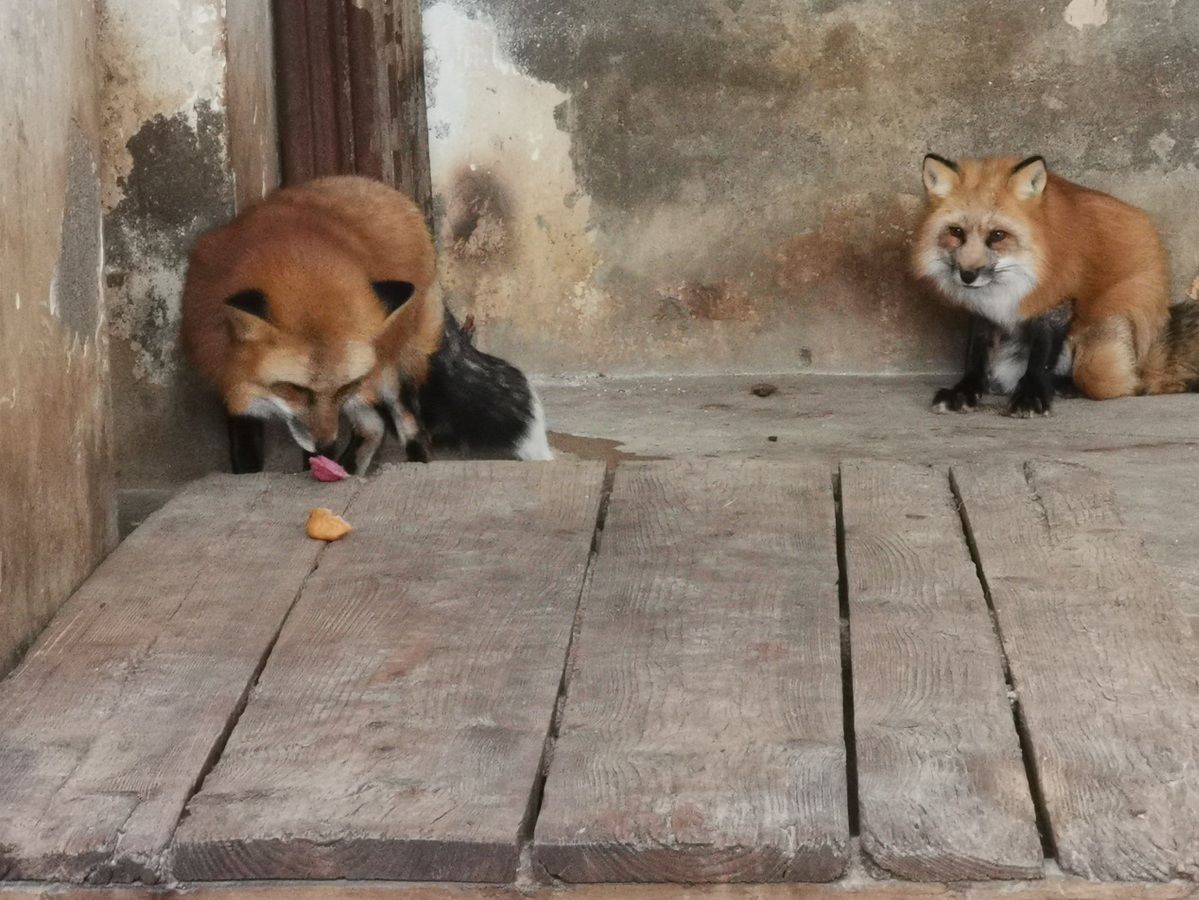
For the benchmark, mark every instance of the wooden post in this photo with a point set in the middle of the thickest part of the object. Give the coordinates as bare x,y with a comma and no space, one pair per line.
351,87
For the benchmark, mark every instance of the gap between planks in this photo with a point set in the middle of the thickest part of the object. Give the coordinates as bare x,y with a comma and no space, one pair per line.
467,569
235,715
851,752
88,697
942,788
1108,682
713,604
1026,751
526,873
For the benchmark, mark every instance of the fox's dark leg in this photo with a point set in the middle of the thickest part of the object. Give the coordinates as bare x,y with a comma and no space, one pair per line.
1034,392
367,428
406,418
246,439
964,396
348,459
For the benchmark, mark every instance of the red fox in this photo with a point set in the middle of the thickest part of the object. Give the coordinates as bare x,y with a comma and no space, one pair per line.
1061,280
318,303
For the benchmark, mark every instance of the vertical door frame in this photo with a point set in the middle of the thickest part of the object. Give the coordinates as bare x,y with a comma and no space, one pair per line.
351,92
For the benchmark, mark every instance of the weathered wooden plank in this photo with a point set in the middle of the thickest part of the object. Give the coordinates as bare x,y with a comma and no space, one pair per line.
1100,657
856,887
111,719
397,730
942,791
402,100
297,131
702,737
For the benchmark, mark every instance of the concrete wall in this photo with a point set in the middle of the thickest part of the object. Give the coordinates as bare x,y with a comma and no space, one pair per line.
716,185
56,487
188,123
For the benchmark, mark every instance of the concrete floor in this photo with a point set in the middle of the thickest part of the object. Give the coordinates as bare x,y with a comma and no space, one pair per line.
1148,446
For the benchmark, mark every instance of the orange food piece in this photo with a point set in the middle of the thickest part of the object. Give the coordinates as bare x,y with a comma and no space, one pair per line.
325,525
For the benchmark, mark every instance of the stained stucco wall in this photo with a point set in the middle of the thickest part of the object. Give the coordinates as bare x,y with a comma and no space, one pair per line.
728,185
188,124
56,485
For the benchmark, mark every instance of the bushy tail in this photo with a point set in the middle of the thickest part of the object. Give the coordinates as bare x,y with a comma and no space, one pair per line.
1172,364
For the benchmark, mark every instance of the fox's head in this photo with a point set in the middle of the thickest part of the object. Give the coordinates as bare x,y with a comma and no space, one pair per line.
305,349
979,241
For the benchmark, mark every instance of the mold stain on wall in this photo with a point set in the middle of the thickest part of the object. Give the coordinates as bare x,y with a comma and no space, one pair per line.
177,186
168,176
663,164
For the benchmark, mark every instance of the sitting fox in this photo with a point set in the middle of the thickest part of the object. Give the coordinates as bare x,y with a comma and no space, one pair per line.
1061,280
318,304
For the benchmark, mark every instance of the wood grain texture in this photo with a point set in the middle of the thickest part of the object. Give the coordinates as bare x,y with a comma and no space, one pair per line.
702,737
404,118
1100,655
859,888
111,719
942,791
398,728
352,92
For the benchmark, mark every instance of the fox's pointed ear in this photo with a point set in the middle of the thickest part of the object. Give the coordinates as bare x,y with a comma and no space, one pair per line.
1028,179
940,175
394,294
248,313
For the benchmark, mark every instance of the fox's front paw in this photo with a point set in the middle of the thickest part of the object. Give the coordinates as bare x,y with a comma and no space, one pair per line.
1032,397
962,397
416,451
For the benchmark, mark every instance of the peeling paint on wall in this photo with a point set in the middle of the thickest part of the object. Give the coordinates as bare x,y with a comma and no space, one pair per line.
159,58
768,151
172,99
178,185
1084,13
506,190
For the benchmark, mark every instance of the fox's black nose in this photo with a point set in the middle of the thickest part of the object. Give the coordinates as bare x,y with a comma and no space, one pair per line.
326,449
969,276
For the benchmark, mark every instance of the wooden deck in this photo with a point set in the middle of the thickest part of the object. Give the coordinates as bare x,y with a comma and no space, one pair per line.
876,679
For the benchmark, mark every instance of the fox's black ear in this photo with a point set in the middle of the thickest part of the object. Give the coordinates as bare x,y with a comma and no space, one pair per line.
252,301
394,294
940,175
1029,177
248,315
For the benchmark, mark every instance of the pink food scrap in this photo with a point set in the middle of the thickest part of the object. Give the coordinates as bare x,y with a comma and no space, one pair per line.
325,469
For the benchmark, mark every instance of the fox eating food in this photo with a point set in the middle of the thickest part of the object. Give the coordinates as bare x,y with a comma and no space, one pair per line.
318,304
1061,281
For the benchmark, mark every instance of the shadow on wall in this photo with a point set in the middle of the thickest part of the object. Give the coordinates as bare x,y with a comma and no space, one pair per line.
719,185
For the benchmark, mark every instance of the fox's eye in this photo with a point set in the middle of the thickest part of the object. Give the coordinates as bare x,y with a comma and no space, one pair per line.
292,393
957,233
996,236
347,389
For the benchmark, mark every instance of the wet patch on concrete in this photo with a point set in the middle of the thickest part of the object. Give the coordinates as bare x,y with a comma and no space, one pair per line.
581,447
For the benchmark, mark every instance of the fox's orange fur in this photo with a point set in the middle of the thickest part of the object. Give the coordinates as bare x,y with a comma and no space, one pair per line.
327,340
1057,242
